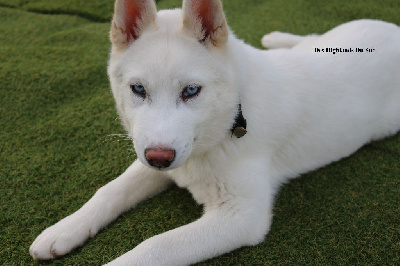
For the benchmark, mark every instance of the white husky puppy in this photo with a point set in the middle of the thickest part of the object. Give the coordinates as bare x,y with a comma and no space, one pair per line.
187,90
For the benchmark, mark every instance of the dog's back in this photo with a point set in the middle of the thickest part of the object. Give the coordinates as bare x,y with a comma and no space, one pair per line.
345,88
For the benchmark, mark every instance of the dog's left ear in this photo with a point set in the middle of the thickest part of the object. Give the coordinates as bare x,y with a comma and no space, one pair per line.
205,21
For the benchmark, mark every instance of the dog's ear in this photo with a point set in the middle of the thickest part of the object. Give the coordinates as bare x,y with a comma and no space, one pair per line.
205,21
130,18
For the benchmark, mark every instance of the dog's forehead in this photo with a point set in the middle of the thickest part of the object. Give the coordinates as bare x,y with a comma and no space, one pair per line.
167,50
169,19
168,41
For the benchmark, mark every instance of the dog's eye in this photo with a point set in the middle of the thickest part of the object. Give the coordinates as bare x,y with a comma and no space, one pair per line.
138,90
190,92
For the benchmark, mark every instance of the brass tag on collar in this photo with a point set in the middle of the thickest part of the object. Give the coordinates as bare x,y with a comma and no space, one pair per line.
239,125
239,132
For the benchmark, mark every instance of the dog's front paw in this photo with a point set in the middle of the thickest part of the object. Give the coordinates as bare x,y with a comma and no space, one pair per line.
149,252
59,239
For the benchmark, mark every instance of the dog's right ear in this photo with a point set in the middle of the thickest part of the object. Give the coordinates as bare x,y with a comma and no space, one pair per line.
205,21
131,18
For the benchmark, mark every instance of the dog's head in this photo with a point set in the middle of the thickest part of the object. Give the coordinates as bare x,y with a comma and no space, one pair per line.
172,78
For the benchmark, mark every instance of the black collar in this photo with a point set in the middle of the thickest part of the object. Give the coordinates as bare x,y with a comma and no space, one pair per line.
239,125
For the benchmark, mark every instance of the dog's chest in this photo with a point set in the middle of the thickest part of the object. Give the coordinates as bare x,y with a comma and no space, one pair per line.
205,184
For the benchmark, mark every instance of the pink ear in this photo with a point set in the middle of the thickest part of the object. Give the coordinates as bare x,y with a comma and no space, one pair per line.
205,20
131,17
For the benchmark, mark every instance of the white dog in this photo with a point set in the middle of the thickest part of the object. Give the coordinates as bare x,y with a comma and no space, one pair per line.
229,122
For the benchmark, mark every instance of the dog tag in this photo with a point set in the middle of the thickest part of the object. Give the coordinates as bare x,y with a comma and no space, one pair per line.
239,132
239,126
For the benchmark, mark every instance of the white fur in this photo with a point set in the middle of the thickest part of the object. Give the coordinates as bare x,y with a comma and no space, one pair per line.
304,110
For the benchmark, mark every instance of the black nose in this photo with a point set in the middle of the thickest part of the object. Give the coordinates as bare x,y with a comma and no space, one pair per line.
159,157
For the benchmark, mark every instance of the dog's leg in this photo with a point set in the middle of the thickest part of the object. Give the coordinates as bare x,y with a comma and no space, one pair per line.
217,232
240,214
278,39
137,183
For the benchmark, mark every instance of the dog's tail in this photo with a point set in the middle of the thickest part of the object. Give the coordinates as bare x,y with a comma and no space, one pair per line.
278,39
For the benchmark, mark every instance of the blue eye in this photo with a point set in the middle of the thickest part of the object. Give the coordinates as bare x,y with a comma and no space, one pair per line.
190,92
138,90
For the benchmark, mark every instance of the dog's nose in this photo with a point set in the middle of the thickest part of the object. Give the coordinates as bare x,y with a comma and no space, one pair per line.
160,157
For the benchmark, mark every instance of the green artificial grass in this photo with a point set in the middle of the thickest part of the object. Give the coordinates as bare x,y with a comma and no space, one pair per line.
61,140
